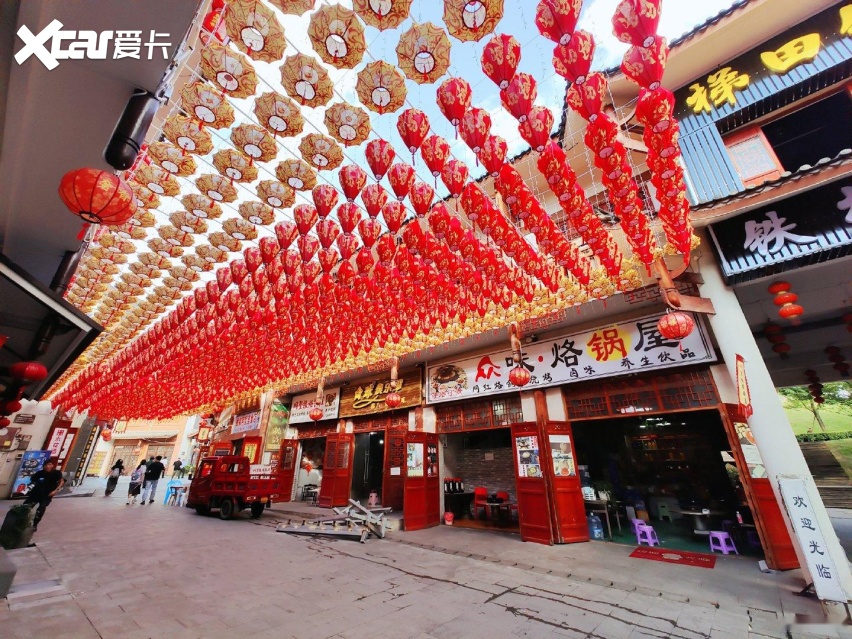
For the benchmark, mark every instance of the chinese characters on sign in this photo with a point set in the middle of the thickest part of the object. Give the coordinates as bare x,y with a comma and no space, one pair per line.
246,422
611,350
770,235
303,404
821,567
743,393
47,45
368,396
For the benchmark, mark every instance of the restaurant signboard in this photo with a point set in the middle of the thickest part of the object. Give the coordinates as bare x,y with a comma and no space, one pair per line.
303,404
629,347
246,422
368,397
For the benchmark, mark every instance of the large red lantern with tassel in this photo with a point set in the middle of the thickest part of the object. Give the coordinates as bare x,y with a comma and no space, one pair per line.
394,215
537,127
675,325
556,19
500,59
493,154
98,197
401,177
412,125
435,152
374,197
517,98
635,21
352,179
316,413
475,128
587,98
453,98
573,60
454,176
325,199
380,154
645,66
421,196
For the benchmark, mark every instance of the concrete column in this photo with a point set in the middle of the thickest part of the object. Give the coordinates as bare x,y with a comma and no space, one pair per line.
769,425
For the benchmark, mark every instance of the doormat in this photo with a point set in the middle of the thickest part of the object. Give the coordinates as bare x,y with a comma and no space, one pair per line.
671,556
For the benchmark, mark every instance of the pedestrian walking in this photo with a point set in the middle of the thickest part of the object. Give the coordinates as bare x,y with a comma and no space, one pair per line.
137,477
177,468
153,472
115,472
45,484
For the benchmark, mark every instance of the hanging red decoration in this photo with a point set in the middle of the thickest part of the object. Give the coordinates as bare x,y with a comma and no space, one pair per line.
645,66
316,413
635,21
573,60
435,150
675,325
412,125
306,216
556,19
492,155
98,197
393,399
28,372
454,176
587,98
535,130
517,98
814,386
655,109
421,196
786,300
325,199
394,215
475,128
500,58
285,233
380,155
453,98
352,179
775,335
374,197
401,177
835,356
349,215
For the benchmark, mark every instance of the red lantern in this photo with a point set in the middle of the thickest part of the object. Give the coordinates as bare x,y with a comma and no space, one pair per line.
106,434
519,376
401,177
349,215
379,155
493,154
285,233
435,152
453,97
675,325
98,197
500,59
393,399
587,98
316,413
645,66
394,215
412,125
325,199
475,128
556,19
635,21
573,60
454,176
306,216
327,232
537,127
28,372
517,98
655,109
786,300
421,196
374,197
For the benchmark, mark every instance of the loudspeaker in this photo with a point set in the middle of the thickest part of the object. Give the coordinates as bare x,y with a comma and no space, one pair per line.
130,131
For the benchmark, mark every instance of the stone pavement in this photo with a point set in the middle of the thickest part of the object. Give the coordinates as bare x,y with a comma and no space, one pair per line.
103,569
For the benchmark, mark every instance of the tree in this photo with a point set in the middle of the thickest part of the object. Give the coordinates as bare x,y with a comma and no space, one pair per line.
836,396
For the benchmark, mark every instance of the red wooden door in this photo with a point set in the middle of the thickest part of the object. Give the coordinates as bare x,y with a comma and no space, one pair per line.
287,456
421,500
393,483
768,520
337,470
559,462
531,484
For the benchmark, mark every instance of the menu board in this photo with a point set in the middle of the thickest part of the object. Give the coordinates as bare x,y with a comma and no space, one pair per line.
529,464
302,405
753,460
414,460
563,458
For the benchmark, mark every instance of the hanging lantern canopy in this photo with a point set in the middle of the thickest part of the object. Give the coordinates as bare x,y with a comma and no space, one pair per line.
98,197
254,29
382,14
574,60
254,142
645,65
321,152
535,130
472,20
294,7
423,53
349,125
234,166
229,70
306,80
239,229
188,135
256,212
163,248
381,87
786,300
296,174
556,19
675,325
144,197
453,98
172,159
352,179
279,114
337,36
492,155
475,128
157,180
500,58
401,177
635,22
380,154
517,98
276,194
224,242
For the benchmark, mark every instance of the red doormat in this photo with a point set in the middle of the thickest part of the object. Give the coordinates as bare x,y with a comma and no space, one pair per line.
671,556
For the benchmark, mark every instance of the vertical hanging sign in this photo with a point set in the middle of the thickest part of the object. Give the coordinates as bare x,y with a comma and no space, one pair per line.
743,394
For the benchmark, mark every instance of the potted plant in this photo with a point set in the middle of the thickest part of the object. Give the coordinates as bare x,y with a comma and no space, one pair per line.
17,529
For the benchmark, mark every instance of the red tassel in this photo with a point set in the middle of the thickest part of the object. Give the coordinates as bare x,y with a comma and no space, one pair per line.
83,230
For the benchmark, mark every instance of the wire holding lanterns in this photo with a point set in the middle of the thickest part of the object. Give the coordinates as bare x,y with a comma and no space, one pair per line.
393,399
519,375
317,411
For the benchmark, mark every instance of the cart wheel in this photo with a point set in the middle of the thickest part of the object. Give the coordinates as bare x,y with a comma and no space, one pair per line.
226,509
202,510
256,510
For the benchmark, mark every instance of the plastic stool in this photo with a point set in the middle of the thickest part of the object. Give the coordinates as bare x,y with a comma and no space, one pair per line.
663,512
722,542
637,524
647,534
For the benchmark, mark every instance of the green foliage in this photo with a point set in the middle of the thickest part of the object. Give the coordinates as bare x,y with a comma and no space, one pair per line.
824,437
838,396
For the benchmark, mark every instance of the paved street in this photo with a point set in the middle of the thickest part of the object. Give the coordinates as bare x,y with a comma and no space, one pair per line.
103,569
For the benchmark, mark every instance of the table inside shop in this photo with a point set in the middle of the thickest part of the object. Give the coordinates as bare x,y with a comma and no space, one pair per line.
701,520
499,511
603,507
458,503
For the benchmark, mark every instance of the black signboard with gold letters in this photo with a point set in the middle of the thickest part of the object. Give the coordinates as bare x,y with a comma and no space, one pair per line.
367,397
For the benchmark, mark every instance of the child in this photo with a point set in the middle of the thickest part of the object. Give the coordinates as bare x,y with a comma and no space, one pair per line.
136,479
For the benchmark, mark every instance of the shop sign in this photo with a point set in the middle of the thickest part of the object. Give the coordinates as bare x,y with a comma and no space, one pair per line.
368,397
246,422
303,404
24,419
771,62
799,230
743,393
54,446
279,419
821,566
618,349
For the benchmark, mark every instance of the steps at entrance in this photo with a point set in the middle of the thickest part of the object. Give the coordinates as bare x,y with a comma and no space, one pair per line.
831,480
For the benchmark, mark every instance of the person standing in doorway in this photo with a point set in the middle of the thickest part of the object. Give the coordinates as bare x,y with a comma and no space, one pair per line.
45,484
176,468
153,472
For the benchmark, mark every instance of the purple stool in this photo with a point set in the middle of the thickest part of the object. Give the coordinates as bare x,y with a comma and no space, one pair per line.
722,542
647,534
637,524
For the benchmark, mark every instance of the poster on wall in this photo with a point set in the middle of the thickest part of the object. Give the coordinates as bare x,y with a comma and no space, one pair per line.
563,459
414,460
432,460
279,419
753,460
631,347
32,462
529,463
303,404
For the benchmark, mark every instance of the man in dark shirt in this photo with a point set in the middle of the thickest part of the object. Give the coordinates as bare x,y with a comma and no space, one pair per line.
45,484
153,472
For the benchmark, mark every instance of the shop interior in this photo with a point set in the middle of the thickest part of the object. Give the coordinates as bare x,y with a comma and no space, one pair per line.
675,472
309,477
480,460
368,467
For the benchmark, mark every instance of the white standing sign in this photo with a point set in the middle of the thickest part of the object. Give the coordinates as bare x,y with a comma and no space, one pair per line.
56,441
619,349
303,404
821,566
